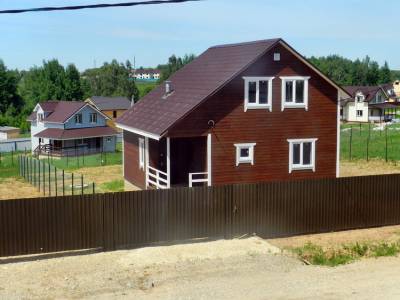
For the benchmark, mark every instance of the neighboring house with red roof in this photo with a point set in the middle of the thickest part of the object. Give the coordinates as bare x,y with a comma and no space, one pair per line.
113,107
70,128
239,113
369,103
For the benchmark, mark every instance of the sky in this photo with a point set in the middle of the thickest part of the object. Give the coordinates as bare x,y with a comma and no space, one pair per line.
87,38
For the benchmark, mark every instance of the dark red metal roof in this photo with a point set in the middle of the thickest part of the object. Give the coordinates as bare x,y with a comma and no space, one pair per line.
110,103
68,134
192,84
62,110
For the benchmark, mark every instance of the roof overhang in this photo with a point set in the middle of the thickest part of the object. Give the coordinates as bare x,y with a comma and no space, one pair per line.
139,132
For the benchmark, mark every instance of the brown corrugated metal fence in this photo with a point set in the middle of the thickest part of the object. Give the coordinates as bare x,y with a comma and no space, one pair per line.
129,219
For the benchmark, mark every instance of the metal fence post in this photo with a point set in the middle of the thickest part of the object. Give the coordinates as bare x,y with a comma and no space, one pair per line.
72,185
93,187
49,179
63,183
386,145
44,178
351,139
55,180
39,174
81,184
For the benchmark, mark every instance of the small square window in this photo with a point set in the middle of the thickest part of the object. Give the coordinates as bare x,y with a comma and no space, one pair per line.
277,56
359,113
245,153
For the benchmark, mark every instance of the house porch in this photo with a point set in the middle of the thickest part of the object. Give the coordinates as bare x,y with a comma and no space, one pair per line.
173,162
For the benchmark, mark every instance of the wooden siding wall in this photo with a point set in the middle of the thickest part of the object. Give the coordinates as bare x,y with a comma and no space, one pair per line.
270,130
131,219
133,173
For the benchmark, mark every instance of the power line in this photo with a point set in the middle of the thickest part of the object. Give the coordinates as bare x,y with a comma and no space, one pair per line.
105,5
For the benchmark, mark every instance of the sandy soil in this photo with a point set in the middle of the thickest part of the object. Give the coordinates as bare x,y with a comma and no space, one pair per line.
334,239
372,167
102,174
11,188
238,269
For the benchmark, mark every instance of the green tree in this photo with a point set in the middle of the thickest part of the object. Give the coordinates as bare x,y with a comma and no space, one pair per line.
73,85
111,79
385,75
174,64
8,89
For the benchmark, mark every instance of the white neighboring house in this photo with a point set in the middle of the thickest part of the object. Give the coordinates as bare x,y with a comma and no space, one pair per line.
70,128
369,103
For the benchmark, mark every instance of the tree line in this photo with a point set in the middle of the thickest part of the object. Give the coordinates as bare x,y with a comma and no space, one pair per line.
354,72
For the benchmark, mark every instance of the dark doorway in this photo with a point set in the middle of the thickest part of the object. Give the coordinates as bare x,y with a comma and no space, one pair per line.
188,155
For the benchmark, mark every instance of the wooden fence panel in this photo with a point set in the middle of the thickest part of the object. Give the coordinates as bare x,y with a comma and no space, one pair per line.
131,219
50,224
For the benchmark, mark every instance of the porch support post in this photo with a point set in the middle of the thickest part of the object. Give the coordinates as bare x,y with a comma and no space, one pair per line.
209,159
146,160
168,163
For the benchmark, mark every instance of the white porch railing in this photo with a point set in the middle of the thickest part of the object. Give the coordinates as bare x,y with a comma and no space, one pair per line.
198,178
157,178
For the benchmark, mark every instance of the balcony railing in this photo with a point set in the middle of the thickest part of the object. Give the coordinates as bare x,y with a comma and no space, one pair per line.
157,178
201,177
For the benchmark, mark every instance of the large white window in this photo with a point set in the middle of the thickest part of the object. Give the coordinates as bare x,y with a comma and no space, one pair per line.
294,92
93,118
301,154
245,153
141,153
258,93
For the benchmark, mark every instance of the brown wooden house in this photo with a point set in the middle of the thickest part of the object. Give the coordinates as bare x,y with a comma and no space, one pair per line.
239,113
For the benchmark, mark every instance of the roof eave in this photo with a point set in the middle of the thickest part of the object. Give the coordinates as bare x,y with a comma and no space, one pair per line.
139,131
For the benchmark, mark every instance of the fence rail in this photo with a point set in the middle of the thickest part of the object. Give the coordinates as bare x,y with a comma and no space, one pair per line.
131,219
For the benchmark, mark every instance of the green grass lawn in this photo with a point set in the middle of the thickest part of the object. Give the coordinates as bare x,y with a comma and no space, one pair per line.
358,141
94,160
9,165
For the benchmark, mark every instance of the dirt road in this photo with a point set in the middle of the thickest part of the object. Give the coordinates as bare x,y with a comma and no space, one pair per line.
238,269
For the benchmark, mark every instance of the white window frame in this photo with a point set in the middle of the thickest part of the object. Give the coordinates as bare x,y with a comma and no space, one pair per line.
245,160
277,56
76,118
360,97
93,118
141,153
257,105
40,117
301,166
359,115
293,104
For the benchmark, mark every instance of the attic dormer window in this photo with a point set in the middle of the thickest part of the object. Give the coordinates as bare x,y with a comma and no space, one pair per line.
359,97
40,117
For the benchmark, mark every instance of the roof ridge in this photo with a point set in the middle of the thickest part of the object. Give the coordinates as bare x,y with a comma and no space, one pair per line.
245,43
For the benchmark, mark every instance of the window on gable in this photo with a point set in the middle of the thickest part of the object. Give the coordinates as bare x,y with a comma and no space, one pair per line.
114,114
40,117
93,118
78,119
141,153
301,154
294,92
258,93
245,153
